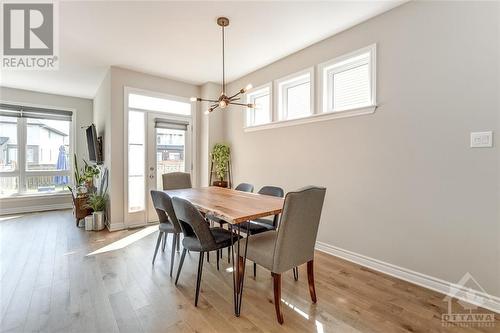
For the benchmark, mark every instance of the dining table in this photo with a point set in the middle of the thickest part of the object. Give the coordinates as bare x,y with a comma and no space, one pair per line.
233,207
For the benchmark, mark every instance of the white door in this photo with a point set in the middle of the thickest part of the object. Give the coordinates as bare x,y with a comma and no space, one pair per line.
158,140
170,150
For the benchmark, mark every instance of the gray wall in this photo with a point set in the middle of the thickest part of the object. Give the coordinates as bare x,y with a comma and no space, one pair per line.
403,185
83,117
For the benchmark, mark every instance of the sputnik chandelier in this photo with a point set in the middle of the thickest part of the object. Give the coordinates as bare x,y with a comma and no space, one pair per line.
224,100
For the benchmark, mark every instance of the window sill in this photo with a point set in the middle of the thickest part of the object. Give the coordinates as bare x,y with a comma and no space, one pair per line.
20,197
313,118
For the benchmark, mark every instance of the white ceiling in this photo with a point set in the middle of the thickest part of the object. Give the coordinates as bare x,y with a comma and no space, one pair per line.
181,40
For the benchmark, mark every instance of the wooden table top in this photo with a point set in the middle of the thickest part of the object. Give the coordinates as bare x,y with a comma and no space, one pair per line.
230,205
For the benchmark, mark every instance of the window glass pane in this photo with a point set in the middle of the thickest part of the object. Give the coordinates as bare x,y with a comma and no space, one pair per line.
299,101
47,145
8,144
8,186
136,156
170,152
158,104
46,184
351,88
262,114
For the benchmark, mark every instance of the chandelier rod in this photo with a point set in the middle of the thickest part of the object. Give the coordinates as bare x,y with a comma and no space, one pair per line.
223,65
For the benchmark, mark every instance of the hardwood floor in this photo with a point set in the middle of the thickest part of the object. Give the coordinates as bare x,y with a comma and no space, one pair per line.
50,283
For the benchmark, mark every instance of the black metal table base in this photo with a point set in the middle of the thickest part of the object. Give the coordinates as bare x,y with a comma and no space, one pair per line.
238,276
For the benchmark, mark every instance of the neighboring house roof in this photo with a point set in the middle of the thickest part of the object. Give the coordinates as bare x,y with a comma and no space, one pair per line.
38,123
3,139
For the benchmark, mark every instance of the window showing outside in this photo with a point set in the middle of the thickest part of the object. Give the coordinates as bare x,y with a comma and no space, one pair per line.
136,156
149,103
44,152
348,83
261,114
294,96
170,152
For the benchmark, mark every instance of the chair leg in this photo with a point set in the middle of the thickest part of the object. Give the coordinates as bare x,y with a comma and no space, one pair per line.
296,273
172,255
164,242
229,255
157,246
178,242
254,270
198,279
310,279
218,257
208,256
277,296
180,265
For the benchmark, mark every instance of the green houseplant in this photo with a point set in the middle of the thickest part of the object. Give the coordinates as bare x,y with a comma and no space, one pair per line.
97,201
220,156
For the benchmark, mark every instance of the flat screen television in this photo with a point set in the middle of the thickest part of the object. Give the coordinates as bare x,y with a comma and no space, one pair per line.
94,145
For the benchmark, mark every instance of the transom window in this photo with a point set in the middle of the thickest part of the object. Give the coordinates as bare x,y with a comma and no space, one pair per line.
294,95
349,81
262,98
35,150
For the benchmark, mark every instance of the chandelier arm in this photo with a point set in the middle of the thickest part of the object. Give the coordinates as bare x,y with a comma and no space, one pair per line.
234,99
207,100
235,95
241,104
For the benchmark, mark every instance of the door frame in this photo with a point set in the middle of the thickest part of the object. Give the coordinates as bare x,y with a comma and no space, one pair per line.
128,222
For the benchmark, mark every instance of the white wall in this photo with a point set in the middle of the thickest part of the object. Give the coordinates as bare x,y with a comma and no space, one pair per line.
403,185
83,117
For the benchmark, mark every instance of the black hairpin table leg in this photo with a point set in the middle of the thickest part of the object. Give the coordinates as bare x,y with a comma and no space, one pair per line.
239,270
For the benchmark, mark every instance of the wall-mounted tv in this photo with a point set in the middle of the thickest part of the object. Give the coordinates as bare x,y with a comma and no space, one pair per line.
94,145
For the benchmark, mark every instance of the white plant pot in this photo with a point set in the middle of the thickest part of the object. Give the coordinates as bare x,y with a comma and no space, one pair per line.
98,220
89,223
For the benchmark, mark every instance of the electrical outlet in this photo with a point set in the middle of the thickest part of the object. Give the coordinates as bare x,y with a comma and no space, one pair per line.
481,139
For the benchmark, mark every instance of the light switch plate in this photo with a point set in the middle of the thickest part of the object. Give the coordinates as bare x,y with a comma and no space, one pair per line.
481,139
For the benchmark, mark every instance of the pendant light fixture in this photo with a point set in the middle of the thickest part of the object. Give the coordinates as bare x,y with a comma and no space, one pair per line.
224,100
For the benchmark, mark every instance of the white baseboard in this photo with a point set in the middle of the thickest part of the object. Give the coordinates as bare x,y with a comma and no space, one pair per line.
483,299
31,209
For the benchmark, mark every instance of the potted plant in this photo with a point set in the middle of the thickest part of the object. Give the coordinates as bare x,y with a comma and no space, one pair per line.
220,158
97,201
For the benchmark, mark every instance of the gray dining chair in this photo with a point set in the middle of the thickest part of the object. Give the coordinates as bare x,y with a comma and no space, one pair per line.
168,223
176,180
198,237
292,244
258,226
243,187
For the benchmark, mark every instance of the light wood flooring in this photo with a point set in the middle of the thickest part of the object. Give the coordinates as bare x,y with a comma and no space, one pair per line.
49,283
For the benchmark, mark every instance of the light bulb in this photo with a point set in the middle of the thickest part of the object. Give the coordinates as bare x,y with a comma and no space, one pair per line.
193,99
222,104
207,112
248,87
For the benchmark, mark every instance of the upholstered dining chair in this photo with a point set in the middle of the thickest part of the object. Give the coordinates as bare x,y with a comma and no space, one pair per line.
258,226
168,223
198,237
176,180
292,244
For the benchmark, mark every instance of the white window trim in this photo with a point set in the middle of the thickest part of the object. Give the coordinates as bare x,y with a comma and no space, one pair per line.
281,85
252,94
313,118
21,140
325,94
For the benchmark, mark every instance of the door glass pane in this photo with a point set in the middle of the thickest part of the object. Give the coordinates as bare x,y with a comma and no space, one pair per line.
8,186
47,145
170,152
299,101
8,144
136,156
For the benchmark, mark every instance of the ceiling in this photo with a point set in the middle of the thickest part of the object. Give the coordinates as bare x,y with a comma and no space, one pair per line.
180,40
